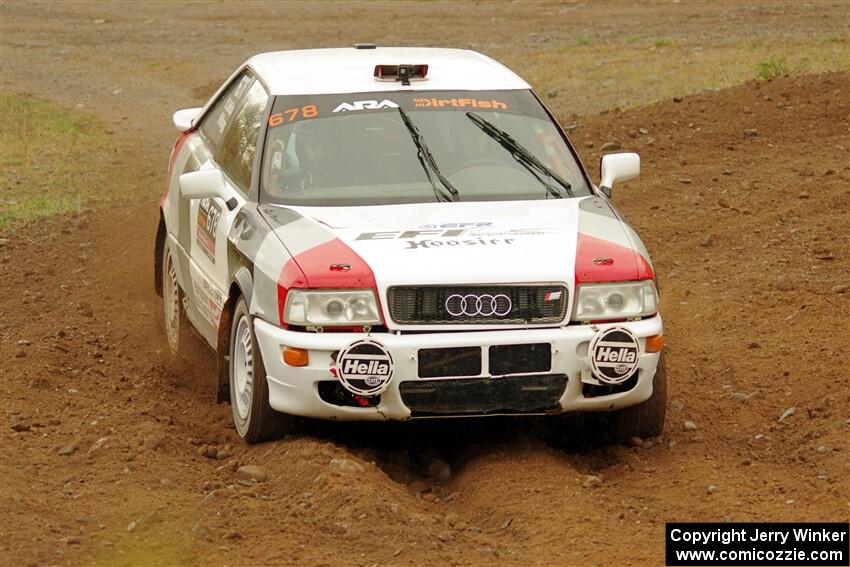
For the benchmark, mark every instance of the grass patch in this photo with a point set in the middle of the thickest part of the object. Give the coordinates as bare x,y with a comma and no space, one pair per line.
632,39
770,69
582,40
608,74
662,42
50,160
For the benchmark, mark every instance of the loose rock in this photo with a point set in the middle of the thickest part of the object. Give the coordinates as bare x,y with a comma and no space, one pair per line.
346,465
591,481
690,426
610,146
783,284
21,426
787,413
68,450
251,472
711,489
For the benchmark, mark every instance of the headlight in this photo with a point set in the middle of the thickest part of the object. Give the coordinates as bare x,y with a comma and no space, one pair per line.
595,302
331,307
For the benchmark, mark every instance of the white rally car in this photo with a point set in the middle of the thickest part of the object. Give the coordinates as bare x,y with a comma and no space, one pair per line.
395,233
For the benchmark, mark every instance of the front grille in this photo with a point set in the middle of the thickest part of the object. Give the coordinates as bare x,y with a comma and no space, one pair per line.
481,396
500,304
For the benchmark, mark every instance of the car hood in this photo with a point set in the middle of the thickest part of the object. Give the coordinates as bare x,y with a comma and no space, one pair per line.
462,243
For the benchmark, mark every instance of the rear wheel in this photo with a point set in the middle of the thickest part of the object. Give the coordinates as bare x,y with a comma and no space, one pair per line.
254,418
176,325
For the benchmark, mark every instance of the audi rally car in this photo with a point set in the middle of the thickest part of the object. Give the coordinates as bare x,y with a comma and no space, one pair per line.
396,233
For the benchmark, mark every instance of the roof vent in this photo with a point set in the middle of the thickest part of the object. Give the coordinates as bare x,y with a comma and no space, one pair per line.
365,46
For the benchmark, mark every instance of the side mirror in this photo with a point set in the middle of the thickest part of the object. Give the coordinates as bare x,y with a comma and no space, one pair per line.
615,168
204,184
183,119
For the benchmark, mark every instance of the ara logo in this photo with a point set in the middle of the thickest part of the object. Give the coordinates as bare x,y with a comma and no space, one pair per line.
364,367
365,105
614,355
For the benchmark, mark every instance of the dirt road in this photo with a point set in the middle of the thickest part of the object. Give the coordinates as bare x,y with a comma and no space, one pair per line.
111,456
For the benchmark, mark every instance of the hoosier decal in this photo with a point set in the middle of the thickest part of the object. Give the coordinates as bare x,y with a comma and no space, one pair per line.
365,367
614,355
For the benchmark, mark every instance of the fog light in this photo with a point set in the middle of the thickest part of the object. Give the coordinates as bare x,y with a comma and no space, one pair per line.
295,356
654,343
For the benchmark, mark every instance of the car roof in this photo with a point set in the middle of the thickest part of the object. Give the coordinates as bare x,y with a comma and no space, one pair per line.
350,70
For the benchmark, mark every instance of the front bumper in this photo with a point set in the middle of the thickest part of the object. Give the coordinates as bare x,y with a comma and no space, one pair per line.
295,390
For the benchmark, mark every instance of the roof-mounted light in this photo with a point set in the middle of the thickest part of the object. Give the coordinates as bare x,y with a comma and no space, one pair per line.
403,73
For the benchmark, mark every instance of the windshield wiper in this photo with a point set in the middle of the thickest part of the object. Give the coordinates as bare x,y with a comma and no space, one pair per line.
523,156
428,163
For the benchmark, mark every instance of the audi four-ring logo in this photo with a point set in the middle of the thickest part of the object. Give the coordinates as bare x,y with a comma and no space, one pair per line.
478,305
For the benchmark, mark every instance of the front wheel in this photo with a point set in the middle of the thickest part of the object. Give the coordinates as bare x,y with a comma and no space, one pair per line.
254,418
643,420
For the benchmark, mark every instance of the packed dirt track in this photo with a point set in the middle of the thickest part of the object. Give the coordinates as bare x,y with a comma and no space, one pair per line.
110,453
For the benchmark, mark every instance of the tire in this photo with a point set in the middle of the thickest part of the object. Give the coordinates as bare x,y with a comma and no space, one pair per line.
174,318
643,420
253,417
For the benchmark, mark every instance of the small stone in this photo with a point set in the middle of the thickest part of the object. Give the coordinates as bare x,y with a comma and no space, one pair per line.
740,397
504,525
711,489
746,462
690,426
753,345
591,481
552,94
707,241
251,472
821,449
790,501
643,131
685,180
232,535
636,442
840,288
803,195
677,405
20,353
21,426
723,203
210,485
677,99
346,465
210,452
610,146
222,454
672,443
783,284
418,486
68,450
751,132
787,413
588,144
71,540
131,527
429,497
439,470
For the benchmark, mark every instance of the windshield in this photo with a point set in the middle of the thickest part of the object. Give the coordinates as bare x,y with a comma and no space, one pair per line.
360,149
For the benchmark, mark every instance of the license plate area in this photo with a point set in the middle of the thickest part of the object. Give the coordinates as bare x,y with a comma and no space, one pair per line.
520,359
444,362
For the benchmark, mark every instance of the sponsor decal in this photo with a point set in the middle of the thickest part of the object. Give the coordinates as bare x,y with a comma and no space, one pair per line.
491,104
614,355
472,305
442,236
365,367
552,296
365,105
209,212
209,301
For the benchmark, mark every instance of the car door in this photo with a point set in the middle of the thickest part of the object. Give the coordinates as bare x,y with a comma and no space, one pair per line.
230,143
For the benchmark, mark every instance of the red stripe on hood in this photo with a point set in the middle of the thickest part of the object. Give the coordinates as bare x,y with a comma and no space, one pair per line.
599,260
312,269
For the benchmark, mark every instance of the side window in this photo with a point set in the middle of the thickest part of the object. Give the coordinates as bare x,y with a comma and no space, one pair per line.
236,152
218,117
